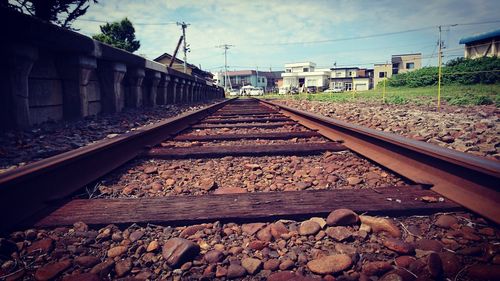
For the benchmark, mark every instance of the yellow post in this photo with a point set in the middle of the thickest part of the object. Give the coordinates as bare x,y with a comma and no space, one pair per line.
383,92
353,89
439,84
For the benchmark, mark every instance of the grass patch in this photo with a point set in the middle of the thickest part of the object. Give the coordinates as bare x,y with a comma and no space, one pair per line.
479,94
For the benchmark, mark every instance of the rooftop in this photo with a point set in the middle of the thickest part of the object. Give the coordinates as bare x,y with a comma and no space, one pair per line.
414,54
480,37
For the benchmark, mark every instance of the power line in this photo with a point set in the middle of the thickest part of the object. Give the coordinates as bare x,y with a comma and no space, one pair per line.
135,23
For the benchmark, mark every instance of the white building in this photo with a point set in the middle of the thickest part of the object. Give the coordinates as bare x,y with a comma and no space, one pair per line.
304,74
349,78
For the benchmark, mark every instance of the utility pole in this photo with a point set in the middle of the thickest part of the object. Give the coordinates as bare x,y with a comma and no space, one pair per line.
440,62
439,70
226,78
184,25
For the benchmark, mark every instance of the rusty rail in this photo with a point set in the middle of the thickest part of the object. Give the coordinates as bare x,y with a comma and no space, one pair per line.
30,189
469,180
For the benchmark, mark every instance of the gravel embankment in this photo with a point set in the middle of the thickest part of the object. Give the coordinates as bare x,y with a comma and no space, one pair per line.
473,129
22,147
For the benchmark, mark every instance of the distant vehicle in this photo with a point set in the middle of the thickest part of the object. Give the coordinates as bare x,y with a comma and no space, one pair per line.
334,90
288,90
245,90
234,92
256,91
311,89
283,91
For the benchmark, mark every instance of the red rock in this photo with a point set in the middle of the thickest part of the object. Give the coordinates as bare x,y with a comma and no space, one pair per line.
214,256
339,233
252,228
484,272
277,229
87,261
103,268
342,217
282,276
309,228
404,261
286,264
265,235
220,272
330,264
82,277
434,265
235,271
376,268
117,251
257,245
150,170
190,230
178,250
251,265
429,245
51,270
398,246
136,235
272,264
123,267
207,184
446,221
43,246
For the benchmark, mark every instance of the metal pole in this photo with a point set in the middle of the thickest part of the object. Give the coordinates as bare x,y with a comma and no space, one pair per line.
439,72
185,49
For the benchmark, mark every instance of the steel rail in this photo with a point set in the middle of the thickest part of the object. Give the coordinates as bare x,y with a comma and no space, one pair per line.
469,180
30,190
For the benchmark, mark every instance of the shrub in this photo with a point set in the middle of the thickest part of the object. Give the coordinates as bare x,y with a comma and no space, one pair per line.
457,71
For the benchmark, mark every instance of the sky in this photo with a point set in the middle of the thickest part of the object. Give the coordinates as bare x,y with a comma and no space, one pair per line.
266,34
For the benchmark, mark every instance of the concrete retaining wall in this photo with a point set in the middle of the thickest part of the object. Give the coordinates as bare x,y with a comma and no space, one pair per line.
50,73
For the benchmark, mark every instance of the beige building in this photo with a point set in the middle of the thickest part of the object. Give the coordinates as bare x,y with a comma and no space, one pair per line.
380,72
482,45
406,62
399,64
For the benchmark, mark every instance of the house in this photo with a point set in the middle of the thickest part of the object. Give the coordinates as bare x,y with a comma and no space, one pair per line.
399,64
406,62
305,74
350,78
380,72
274,79
190,68
482,45
242,78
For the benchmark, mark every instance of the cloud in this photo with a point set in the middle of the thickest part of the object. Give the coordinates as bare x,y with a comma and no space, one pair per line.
260,29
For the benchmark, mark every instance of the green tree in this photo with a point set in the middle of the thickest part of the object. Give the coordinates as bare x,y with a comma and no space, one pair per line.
60,12
119,34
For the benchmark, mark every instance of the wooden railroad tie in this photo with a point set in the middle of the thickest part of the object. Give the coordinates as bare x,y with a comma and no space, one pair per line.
243,150
245,207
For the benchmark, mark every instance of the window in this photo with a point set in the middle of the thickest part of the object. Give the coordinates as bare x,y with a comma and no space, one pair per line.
382,74
338,74
288,70
410,65
305,70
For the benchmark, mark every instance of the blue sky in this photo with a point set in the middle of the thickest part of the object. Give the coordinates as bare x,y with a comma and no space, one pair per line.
269,33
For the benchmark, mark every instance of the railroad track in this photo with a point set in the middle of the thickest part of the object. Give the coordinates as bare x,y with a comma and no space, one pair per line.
40,194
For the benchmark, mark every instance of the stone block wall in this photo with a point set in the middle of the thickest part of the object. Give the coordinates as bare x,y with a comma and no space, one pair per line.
55,74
